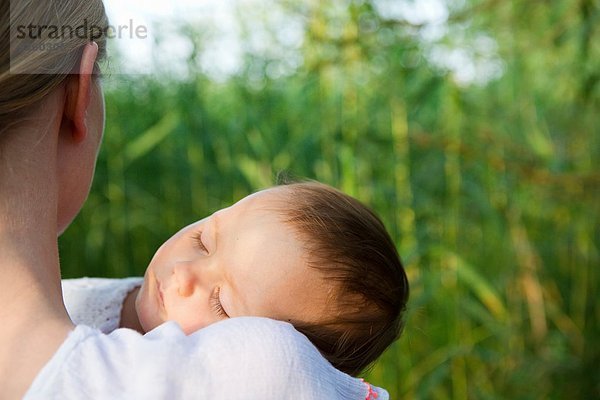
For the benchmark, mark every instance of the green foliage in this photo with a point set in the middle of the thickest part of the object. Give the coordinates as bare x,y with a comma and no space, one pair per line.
491,190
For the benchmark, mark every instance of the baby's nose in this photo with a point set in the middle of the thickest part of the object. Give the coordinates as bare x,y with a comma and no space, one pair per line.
185,278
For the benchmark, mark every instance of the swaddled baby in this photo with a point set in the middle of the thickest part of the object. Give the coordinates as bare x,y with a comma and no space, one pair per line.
304,253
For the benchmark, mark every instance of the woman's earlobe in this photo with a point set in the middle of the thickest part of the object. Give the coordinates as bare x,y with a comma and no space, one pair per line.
74,123
78,92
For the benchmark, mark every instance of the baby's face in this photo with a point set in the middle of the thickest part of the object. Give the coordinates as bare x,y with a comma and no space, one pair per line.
240,261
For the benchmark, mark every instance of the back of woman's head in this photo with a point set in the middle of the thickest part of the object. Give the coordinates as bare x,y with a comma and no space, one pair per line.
350,246
41,42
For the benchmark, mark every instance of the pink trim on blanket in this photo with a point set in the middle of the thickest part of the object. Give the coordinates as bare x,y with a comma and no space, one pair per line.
371,394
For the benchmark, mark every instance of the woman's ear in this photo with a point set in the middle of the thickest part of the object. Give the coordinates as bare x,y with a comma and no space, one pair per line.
78,93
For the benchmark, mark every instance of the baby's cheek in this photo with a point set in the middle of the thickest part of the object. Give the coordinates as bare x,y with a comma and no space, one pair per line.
148,317
191,316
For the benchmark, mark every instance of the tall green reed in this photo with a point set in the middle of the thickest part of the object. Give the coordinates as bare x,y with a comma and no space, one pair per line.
490,191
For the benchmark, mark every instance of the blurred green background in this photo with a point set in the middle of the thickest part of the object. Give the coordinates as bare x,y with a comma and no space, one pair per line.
489,182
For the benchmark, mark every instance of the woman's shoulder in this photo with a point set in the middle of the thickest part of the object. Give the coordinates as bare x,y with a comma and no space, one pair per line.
284,361
257,357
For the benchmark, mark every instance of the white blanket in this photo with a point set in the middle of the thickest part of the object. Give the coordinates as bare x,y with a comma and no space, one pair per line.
238,358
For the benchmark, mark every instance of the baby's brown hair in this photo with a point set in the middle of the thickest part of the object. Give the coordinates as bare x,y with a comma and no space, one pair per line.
349,244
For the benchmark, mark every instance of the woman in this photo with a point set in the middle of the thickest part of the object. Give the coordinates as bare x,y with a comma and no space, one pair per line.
51,126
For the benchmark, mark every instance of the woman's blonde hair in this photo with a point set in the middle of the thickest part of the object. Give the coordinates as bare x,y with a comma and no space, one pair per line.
28,74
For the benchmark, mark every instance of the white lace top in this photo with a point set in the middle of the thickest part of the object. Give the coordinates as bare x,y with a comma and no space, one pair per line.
97,302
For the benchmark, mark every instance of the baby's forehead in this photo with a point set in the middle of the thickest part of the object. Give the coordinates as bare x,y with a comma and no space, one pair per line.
272,194
275,199
264,209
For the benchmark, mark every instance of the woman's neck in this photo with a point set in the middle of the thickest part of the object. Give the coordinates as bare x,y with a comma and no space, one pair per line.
29,270
28,223
34,320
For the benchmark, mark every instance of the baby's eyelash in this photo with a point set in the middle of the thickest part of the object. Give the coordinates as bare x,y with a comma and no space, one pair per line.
216,305
198,241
